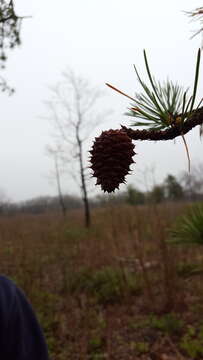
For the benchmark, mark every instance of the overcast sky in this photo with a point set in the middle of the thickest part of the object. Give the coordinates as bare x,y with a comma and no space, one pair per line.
99,40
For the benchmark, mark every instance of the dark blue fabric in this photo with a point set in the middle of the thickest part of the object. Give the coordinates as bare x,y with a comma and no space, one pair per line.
21,337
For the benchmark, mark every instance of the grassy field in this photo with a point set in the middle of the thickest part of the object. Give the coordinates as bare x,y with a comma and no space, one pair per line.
116,291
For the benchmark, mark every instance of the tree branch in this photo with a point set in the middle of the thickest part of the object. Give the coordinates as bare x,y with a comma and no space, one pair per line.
195,119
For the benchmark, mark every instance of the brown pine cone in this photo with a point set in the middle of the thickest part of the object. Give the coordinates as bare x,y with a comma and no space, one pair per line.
111,157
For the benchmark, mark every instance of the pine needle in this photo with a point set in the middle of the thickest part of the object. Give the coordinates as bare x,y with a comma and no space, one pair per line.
120,92
187,151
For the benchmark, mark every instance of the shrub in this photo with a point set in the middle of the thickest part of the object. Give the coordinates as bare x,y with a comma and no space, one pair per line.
107,285
189,228
189,269
192,342
168,323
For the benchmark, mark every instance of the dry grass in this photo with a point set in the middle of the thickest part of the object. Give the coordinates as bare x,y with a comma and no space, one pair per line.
94,290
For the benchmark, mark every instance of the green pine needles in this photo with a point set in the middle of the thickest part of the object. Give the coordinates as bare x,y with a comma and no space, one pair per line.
197,15
163,104
188,229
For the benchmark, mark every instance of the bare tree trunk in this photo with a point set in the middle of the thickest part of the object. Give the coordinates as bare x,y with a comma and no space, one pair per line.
71,110
61,200
83,182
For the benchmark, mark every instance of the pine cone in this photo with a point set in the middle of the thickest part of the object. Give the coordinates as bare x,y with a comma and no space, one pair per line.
111,157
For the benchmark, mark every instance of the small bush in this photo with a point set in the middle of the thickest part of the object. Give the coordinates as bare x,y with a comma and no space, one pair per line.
107,285
187,269
168,323
188,229
192,342
95,346
95,343
47,315
75,233
139,347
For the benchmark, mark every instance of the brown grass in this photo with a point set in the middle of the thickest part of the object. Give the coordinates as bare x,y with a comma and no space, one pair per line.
48,256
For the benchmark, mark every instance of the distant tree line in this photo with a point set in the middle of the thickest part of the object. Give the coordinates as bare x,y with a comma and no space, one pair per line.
39,205
189,187
169,190
186,187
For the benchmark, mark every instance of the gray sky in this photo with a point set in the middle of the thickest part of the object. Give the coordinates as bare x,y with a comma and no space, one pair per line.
100,40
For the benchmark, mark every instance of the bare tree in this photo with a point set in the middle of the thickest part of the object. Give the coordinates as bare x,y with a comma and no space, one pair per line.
54,154
72,113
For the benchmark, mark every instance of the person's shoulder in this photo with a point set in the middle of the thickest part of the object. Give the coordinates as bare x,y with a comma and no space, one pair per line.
7,300
7,295
7,290
7,286
21,336
5,280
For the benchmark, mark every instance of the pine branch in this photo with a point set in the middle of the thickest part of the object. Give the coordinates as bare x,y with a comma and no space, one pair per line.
196,118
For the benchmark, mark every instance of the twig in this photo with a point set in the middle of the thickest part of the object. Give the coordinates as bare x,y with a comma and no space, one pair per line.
196,118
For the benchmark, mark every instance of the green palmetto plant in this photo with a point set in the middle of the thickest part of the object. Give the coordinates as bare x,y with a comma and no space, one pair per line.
188,228
162,105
